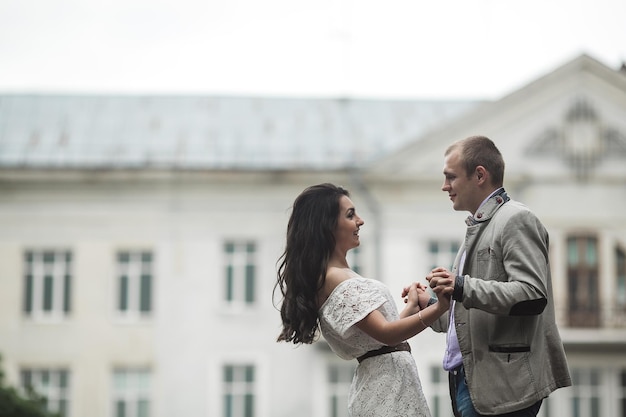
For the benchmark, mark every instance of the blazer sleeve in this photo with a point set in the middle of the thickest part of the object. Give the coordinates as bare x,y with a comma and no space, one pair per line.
510,267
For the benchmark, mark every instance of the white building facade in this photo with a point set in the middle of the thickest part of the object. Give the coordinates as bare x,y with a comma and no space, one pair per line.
139,238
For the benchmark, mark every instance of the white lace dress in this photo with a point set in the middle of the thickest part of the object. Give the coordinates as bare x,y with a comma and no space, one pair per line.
387,385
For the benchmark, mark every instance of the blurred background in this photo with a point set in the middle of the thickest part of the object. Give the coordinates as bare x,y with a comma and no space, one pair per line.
150,153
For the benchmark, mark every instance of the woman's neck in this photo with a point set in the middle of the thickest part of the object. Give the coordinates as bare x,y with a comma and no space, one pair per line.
338,263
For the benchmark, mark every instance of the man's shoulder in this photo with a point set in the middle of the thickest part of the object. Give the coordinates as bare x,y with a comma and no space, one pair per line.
516,212
513,206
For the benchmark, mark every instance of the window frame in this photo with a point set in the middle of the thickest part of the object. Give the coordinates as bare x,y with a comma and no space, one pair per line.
239,397
338,391
136,272
445,252
439,398
47,270
57,395
133,391
582,263
620,276
240,274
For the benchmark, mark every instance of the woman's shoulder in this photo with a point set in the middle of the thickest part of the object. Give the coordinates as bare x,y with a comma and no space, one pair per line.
354,290
338,277
340,274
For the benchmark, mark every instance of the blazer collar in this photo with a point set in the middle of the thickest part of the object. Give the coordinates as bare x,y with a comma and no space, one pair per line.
488,208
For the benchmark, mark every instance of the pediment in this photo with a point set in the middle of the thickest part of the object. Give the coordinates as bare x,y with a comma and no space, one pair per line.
582,140
570,124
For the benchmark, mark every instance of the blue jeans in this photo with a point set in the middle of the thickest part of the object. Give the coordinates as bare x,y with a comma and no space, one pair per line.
462,403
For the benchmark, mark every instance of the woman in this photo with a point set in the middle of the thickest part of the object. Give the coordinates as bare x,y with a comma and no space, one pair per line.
357,316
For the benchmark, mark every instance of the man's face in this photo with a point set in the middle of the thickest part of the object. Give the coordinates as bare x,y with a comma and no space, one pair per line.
463,190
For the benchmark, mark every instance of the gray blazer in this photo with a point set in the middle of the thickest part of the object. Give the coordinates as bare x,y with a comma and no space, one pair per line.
504,315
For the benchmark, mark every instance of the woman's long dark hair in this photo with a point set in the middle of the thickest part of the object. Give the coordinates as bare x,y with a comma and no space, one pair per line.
303,264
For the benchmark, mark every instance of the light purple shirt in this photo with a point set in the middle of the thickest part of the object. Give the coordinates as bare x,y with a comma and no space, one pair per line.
452,358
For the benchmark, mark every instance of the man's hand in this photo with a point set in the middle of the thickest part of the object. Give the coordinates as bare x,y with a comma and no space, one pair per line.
441,281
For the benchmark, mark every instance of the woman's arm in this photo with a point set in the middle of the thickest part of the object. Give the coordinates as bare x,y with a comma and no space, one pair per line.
414,300
394,332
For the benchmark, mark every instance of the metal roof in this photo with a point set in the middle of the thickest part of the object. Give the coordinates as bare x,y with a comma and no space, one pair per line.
197,132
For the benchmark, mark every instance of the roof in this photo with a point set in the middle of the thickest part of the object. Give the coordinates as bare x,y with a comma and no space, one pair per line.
571,121
197,132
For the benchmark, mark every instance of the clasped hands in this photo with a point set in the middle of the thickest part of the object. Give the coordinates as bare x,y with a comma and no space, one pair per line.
440,280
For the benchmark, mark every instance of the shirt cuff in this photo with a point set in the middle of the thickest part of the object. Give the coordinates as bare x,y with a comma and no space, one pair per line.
457,294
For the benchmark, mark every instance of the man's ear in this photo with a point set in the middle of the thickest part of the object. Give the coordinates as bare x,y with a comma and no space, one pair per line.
481,173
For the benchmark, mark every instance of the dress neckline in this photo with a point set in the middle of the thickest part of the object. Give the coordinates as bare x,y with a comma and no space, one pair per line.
355,277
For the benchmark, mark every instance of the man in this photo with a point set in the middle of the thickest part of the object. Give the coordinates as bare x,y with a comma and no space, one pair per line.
504,353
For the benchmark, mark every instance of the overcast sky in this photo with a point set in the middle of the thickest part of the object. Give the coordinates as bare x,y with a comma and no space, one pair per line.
355,48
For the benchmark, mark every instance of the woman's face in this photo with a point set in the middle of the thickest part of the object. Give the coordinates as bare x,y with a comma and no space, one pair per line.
348,225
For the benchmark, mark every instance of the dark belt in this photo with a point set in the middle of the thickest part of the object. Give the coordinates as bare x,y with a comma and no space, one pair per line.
404,346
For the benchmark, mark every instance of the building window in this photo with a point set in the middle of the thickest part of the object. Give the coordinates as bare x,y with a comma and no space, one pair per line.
442,253
586,394
238,382
134,283
582,281
131,393
595,392
47,283
439,401
52,385
621,393
620,259
339,381
546,406
240,272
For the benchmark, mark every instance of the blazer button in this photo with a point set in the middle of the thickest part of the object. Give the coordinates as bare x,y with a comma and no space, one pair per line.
479,216
499,200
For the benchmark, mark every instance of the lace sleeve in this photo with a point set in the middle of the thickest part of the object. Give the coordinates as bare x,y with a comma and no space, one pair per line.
351,302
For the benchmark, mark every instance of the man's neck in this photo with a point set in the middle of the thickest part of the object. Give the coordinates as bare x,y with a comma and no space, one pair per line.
487,196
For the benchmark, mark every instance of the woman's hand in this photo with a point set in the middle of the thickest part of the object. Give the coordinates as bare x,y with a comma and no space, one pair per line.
416,297
423,296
